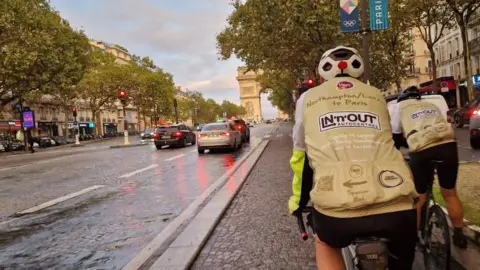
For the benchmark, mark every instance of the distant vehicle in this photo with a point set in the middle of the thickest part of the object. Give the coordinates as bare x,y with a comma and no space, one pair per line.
250,124
147,134
242,127
174,135
268,121
475,128
462,115
219,135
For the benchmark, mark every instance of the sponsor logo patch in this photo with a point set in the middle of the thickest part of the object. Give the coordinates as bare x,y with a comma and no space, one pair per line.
423,113
356,171
344,85
389,179
352,119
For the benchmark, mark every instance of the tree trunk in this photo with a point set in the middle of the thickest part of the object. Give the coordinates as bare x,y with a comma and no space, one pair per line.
466,58
398,83
94,118
434,69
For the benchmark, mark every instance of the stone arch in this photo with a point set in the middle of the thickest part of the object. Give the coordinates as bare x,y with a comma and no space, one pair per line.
249,94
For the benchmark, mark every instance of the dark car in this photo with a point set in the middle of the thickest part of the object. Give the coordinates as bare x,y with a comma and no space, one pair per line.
242,127
268,121
462,115
147,134
175,135
43,141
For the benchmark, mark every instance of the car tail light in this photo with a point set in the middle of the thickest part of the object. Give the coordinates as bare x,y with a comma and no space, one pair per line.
474,132
238,126
225,134
177,134
156,135
475,112
202,135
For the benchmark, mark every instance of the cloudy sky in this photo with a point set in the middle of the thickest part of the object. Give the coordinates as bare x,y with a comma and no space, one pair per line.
179,35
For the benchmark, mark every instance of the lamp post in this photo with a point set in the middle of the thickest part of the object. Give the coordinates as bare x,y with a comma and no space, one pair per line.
123,96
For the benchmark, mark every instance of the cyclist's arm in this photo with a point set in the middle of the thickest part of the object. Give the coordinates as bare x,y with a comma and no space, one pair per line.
302,172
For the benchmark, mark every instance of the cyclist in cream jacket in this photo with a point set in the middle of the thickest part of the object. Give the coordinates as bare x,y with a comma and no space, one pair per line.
430,138
361,183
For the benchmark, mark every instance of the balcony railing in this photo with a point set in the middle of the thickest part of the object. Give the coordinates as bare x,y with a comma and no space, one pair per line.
474,45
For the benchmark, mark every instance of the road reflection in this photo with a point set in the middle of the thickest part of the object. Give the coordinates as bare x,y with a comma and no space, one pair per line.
180,174
201,175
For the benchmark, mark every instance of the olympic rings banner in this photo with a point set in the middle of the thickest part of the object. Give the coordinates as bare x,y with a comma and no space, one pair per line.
349,16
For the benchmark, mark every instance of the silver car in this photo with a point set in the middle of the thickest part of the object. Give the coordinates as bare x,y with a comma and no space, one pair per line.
218,135
475,129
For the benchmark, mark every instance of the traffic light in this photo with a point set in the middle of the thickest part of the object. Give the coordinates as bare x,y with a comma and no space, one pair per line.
122,94
310,83
74,111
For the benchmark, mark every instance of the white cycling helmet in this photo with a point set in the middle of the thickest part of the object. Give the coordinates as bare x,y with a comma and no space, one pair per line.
344,61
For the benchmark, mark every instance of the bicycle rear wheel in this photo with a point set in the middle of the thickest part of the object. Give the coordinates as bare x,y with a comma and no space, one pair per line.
437,251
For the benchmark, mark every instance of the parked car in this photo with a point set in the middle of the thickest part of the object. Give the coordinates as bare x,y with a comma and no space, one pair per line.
475,128
219,135
462,116
175,135
147,134
242,127
42,141
268,121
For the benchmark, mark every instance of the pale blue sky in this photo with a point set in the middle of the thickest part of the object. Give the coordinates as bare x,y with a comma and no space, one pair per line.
179,35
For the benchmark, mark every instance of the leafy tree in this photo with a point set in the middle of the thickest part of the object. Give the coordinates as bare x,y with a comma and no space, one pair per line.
232,109
100,85
431,18
279,85
37,48
292,35
463,11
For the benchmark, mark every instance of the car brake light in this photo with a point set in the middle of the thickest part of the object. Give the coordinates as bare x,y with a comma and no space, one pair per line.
475,112
474,132
239,126
225,134
177,134
156,135
202,135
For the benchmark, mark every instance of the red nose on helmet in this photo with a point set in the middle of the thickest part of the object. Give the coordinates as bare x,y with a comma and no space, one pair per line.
342,65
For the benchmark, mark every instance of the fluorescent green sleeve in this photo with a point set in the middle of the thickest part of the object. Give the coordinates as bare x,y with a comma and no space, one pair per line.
296,163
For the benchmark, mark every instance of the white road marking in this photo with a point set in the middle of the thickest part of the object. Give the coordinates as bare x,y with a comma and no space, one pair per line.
267,136
194,150
139,171
175,157
59,200
279,135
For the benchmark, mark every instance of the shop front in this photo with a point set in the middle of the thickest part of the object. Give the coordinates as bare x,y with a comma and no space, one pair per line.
447,87
8,129
47,128
476,83
109,129
86,128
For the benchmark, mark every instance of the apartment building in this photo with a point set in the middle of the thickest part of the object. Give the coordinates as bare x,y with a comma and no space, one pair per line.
420,69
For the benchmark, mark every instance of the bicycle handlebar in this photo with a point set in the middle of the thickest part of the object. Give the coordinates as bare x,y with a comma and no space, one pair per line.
301,224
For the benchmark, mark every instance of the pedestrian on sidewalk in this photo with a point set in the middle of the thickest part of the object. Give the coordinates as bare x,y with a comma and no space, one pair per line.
30,141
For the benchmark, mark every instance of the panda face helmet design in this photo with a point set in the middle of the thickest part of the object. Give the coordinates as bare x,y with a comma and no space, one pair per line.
341,62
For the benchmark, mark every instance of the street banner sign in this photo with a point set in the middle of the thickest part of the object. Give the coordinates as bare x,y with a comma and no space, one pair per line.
378,15
349,16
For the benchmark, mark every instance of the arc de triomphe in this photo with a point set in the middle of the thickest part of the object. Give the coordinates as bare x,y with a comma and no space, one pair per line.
249,93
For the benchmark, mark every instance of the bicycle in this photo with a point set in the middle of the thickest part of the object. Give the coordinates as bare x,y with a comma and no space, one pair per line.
364,253
435,256
371,253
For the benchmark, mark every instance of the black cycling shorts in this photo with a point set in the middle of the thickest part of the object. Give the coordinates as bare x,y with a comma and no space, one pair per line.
423,169
399,227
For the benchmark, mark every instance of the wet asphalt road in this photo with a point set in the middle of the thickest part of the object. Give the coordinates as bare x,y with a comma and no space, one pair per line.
139,190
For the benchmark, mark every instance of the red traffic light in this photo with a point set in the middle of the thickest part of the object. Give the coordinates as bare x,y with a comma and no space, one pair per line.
74,109
310,83
122,94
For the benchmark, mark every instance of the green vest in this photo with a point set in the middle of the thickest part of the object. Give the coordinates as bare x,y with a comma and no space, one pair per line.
357,169
424,125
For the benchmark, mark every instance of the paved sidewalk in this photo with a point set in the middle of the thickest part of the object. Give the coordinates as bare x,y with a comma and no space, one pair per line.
257,232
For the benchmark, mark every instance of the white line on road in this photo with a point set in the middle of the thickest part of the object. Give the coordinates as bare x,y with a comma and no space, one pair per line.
266,136
194,150
139,171
279,135
175,157
59,200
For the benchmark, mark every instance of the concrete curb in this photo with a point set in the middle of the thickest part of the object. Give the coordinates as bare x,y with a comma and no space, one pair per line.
183,251
472,232
128,145
167,235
